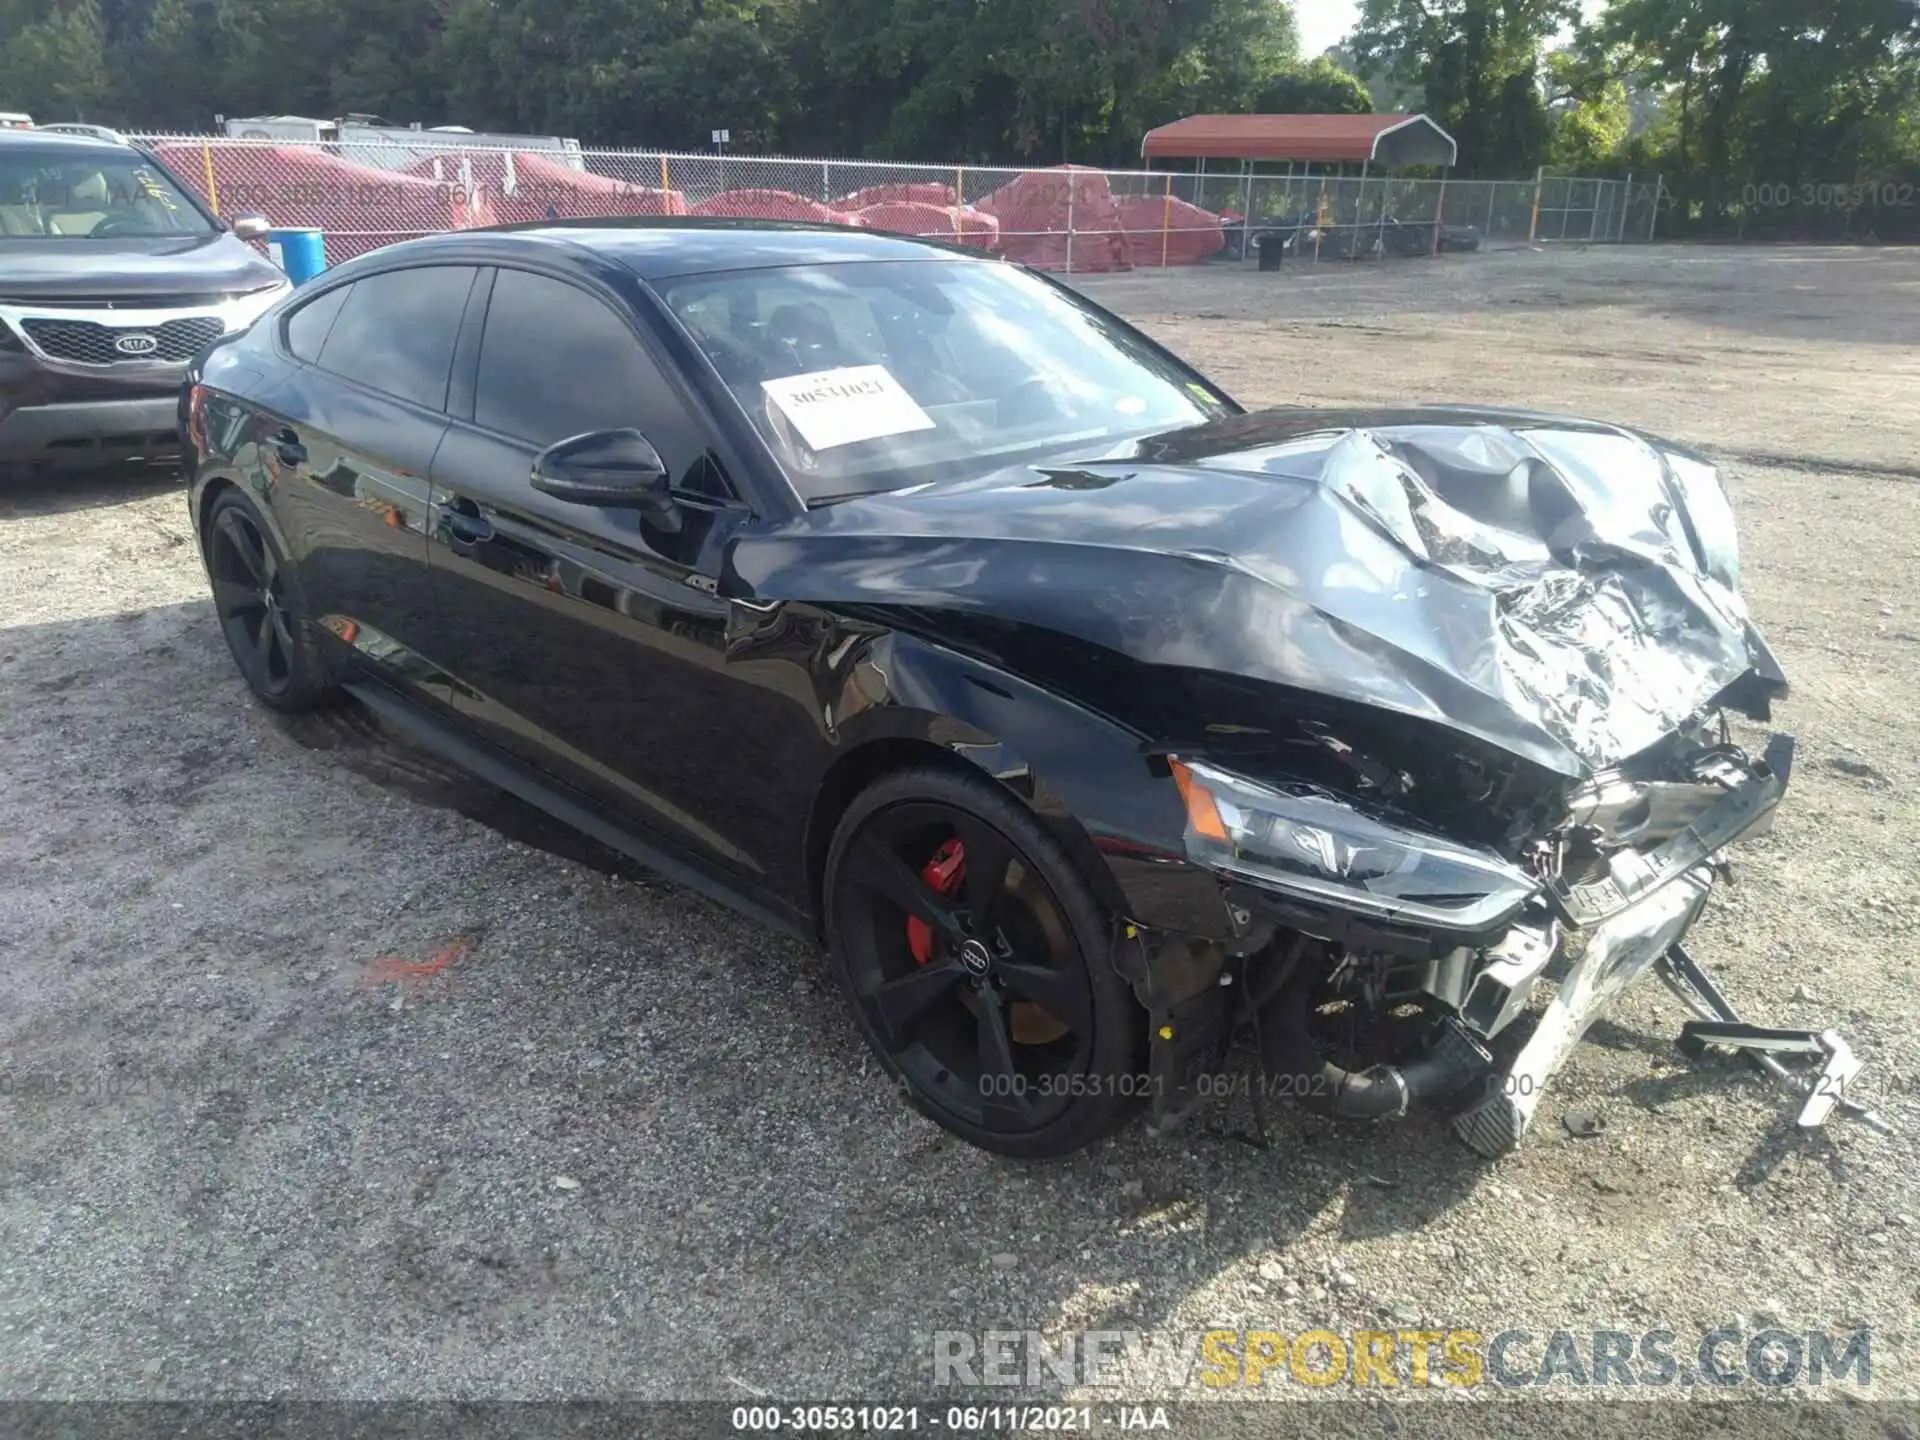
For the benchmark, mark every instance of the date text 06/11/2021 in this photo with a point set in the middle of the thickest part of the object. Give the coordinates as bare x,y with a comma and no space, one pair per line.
949,1419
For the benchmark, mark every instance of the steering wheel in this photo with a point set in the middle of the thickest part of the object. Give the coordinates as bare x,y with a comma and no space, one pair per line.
116,225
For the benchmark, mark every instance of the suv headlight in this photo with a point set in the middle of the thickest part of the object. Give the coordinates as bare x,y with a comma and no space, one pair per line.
243,310
1319,848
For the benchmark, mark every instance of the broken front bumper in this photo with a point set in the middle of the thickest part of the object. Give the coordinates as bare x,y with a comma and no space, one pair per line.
1634,919
1617,954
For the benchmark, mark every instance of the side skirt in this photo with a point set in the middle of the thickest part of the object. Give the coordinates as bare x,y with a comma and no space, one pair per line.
500,770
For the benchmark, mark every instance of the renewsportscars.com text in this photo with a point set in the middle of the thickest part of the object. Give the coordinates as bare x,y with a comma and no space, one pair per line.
1142,1361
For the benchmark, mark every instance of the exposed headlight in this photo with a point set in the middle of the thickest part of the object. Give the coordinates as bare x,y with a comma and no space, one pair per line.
1320,848
243,310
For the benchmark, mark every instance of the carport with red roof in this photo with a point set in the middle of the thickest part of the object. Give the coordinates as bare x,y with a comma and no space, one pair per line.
1387,141
1374,143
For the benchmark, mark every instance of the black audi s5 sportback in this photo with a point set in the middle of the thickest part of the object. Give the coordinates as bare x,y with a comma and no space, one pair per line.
906,599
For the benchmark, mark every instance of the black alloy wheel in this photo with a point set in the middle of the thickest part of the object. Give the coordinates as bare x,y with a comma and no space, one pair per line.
257,601
975,957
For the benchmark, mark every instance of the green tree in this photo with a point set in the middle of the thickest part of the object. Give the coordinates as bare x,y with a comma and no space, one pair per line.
1320,87
175,67
1777,92
1020,80
1224,65
53,62
1479,63
1392,94
1587,95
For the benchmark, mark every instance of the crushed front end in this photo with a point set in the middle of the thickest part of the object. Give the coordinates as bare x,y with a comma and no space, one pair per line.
1384,969
1559,808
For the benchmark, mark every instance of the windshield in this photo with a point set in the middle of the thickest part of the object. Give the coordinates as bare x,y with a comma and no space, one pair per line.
863,377
91,197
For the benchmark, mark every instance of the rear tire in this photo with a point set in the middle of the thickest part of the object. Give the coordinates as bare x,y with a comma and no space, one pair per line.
992,1002
262,613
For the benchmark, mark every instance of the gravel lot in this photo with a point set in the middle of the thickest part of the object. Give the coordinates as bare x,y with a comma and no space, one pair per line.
308,1186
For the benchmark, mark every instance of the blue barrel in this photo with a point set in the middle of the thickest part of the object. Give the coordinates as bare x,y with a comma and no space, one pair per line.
301,253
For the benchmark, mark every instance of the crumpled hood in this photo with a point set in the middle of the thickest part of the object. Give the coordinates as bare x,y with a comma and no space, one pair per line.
1565,590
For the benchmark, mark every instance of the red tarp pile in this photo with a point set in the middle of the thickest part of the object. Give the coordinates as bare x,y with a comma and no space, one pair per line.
1034,210
935,222
768,205
526,185
1167,230
359,207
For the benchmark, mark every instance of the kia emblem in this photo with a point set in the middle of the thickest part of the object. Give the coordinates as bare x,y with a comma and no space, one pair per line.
136,344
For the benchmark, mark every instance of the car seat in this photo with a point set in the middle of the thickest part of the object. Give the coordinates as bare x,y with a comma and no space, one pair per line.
18,216
803,333
79,217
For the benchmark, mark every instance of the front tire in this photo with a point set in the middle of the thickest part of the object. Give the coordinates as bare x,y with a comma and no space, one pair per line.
261,611
975,957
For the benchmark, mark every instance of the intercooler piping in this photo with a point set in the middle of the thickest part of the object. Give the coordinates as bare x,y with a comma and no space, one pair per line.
1453,1062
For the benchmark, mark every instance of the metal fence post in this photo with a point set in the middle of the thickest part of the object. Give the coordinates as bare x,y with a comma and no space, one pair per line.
1069,222
1360,207
826,182
1166,225
1246,213
1593,226
1626,200
1539,183
1319,203
213,190
1653,221
1493,198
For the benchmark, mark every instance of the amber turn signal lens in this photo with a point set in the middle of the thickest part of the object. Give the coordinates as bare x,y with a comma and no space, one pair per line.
1202,813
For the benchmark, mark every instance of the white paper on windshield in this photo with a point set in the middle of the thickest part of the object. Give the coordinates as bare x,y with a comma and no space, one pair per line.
843,407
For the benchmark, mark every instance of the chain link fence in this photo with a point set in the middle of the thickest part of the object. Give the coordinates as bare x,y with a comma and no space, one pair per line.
367,192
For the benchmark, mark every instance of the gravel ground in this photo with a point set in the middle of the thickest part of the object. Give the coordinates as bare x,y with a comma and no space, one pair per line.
634,1149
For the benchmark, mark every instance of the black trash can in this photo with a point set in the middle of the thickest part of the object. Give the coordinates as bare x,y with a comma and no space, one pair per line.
1271,248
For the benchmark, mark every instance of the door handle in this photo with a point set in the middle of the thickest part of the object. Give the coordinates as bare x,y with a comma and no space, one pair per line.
463,523
287,446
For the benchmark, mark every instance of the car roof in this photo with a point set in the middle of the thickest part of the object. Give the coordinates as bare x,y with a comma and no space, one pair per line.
664,247
57,143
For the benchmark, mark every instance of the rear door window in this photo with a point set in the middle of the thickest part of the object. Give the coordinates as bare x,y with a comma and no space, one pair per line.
395,331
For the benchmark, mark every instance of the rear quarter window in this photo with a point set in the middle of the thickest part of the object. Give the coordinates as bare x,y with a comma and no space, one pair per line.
395,331
307,327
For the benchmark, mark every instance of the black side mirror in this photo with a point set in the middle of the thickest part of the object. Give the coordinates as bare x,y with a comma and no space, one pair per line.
611,469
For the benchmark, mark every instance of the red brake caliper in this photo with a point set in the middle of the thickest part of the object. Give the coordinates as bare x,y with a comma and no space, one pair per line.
944,874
